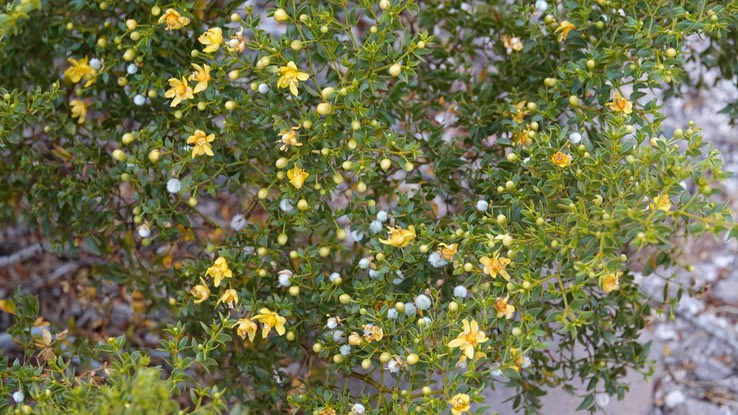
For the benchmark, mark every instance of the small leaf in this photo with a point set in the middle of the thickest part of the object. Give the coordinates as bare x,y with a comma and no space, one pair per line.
7,306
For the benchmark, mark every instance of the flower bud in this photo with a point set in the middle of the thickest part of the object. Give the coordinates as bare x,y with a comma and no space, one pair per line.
395,70
263,193
281,162
263,62
354,339
281,15
154,155
282,239
337,178
302,205
385,164
324,108
507,240
119,155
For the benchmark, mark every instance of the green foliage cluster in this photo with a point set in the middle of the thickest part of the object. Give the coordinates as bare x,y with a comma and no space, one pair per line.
516,152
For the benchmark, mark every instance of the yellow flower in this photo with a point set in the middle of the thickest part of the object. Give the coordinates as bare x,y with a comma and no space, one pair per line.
201,76
229,297
495,265
512,43
328,411
447,251
289,138
201,144
219,271
246,327
270,319
517,359
179,90
372,332
173,19
661,202
560,159
503,308
469,338
520,112
80,69
564,27
201,292
610,281
236,43
523,138
459,403
79,110
620,104
290,77
212,39
297,176
398,237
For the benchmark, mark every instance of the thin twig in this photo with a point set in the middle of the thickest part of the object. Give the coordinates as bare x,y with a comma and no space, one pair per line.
23,254
58,273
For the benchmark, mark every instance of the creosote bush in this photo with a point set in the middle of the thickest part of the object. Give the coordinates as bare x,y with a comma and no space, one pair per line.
350,207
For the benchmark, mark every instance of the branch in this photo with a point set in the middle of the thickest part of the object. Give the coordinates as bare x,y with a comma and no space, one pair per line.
23,254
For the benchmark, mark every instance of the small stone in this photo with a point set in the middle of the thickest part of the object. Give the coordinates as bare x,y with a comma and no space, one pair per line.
727,291
674,398
712,370
121,315
690,305
664,332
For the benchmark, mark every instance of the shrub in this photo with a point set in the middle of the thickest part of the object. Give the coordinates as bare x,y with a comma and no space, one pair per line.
418,196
